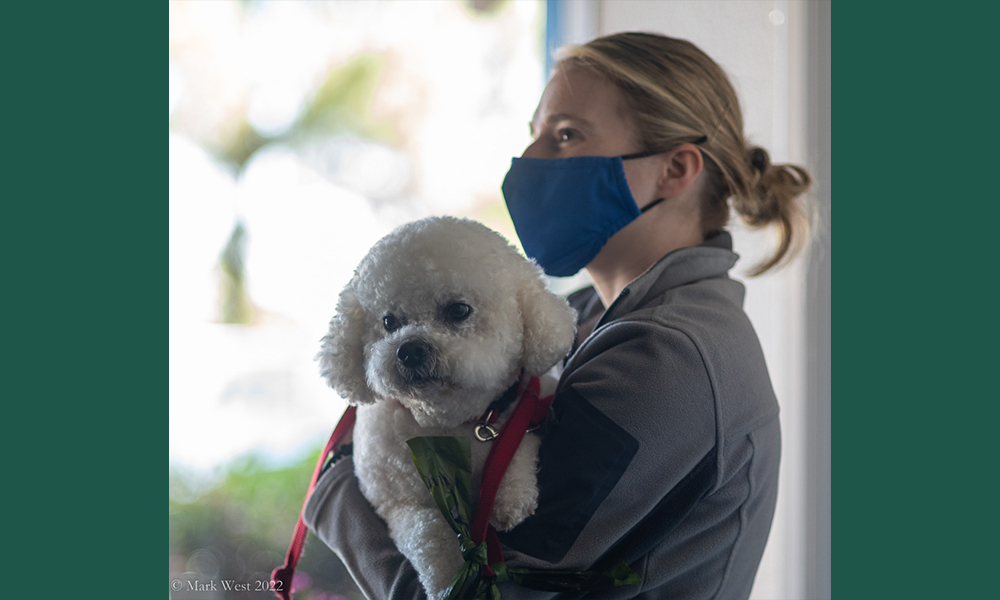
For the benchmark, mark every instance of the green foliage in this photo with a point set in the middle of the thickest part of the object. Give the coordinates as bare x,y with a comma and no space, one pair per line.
236,306
244,143
485,8
341,104
251,500
239,529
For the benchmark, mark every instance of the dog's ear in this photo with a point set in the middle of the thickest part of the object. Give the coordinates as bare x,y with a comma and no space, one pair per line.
342,357
549,325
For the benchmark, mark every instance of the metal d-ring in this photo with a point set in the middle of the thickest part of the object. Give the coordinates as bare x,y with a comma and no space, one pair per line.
483,431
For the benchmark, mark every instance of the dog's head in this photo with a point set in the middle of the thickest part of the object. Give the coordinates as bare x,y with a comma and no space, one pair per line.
442,315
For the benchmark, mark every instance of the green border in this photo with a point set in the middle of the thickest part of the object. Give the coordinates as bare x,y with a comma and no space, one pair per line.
913,412
86,254
85,240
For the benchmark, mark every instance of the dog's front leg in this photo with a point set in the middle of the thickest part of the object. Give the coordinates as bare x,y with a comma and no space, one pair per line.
426,539
517,497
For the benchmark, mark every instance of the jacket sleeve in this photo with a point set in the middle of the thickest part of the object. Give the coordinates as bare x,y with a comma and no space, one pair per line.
341,517
635,419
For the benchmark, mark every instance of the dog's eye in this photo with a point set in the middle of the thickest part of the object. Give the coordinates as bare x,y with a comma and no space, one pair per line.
456,311
391,322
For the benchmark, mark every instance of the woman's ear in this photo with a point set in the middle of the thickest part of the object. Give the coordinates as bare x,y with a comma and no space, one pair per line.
549,325
342,357
681,167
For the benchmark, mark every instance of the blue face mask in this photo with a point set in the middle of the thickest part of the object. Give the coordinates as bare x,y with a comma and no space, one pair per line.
566,209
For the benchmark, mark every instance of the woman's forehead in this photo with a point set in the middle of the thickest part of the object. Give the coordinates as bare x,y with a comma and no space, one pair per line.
579,93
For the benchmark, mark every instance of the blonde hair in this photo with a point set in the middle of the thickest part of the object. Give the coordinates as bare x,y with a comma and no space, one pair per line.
676,94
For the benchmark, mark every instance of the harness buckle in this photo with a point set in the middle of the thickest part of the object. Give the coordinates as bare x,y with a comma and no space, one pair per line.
484,432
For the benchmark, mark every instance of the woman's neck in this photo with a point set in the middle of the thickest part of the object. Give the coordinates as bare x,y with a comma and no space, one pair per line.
637,247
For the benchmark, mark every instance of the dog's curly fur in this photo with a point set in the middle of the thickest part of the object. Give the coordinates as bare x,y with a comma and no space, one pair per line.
474,313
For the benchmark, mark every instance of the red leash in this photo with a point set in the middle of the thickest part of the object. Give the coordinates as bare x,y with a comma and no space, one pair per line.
530,411
281,578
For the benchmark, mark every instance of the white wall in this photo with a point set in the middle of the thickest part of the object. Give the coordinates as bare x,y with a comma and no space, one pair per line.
774,53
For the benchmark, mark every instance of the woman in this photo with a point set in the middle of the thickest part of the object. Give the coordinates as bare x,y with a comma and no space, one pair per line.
665,447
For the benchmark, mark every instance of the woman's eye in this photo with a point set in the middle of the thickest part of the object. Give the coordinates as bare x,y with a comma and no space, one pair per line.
390,322
457,311
565,135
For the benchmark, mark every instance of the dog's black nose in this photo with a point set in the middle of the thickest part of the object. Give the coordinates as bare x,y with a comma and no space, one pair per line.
413,353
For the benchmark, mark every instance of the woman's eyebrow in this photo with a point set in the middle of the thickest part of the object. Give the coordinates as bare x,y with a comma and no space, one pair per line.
533,124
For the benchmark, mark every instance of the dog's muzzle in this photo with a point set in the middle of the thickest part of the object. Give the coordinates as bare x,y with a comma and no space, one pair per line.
415,359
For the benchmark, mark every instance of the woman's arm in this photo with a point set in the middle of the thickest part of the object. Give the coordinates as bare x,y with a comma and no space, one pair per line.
638,419
342,518
635,417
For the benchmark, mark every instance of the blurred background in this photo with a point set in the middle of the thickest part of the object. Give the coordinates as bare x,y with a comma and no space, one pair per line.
302,132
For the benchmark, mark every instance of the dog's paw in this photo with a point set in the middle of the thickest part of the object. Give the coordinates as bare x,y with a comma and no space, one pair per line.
510,509
437,576
517,497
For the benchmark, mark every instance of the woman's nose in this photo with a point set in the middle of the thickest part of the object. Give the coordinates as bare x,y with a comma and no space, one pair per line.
535,149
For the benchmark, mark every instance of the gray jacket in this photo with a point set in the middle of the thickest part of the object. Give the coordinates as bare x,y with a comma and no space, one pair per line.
663,451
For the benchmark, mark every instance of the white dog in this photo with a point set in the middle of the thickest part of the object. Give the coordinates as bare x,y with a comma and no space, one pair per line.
438,322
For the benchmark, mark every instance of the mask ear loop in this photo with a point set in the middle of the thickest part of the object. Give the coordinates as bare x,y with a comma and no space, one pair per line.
651,205
700,140
641,154
646,153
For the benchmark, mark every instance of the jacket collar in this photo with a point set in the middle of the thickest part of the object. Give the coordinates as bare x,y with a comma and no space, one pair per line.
712,258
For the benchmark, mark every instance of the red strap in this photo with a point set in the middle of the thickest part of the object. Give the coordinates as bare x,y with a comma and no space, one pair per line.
494,551
281,578
530,410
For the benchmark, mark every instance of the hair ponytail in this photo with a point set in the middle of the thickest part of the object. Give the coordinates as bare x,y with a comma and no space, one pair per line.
772,198
677,94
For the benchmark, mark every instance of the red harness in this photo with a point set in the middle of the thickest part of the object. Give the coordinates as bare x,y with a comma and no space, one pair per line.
530,412
281,578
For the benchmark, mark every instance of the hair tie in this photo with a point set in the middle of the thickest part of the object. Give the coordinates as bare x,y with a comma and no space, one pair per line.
759,160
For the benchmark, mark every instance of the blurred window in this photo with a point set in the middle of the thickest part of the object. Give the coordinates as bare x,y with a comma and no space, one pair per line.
301,133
